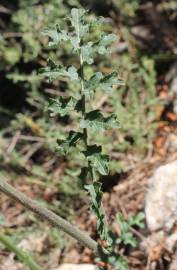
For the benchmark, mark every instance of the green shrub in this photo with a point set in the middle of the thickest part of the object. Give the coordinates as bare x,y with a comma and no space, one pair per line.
88,121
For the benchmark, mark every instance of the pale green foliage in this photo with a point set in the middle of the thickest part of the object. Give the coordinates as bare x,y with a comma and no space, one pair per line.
65,145
53,71
98,80
127,9
62,106
94,190
124,225
137,104
56,35
97,122
97,163
136,115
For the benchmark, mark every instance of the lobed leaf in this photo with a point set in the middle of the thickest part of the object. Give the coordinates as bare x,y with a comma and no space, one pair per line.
98,80
96,21
53,71
75,42
94,190
56,35
101,46
125,235
87,53
71,140
98,161
107,82
96,121
77,21
92,84
137,220
62,106
128,239
88,50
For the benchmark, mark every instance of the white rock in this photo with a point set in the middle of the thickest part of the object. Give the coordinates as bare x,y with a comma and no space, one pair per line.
173,87
173,94
171,242
171,78
161,198
173,265
76,267
172,73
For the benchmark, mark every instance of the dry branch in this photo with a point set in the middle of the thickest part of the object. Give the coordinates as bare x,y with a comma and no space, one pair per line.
48,215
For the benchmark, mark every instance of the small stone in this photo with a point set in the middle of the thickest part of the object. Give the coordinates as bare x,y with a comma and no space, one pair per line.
171,242
161,198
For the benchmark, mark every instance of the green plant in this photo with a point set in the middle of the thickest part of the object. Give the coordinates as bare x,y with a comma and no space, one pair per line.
22,51
22,256
89,121
127,9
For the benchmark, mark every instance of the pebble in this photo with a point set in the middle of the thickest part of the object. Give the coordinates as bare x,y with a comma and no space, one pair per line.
161,198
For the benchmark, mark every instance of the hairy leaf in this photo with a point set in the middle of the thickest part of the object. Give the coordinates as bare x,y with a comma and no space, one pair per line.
53,71
62,106
96,21
87,53
94,190
80,27
125,236
71,140
75,42
96,121
98,80
92,84
98,161
137,220
128,239
107,82
101,46
56,35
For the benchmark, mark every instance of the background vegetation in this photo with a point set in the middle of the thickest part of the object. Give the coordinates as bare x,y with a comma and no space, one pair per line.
27,132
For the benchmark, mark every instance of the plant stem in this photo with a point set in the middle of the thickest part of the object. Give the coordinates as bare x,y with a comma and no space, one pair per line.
23,256
85,129
83,96
84,109
50,216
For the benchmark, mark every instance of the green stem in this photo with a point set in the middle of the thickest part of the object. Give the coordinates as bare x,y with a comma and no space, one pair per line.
85,130
22,256
83,98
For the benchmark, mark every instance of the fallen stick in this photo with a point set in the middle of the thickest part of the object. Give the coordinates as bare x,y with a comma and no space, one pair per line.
48,215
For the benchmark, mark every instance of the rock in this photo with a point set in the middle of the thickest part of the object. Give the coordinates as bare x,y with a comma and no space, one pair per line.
35,243
76,267
171,242
9,263
172,73
171,78
161,198
173,265
173,94
141,31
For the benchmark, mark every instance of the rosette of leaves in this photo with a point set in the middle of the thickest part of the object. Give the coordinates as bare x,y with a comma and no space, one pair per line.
96,162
